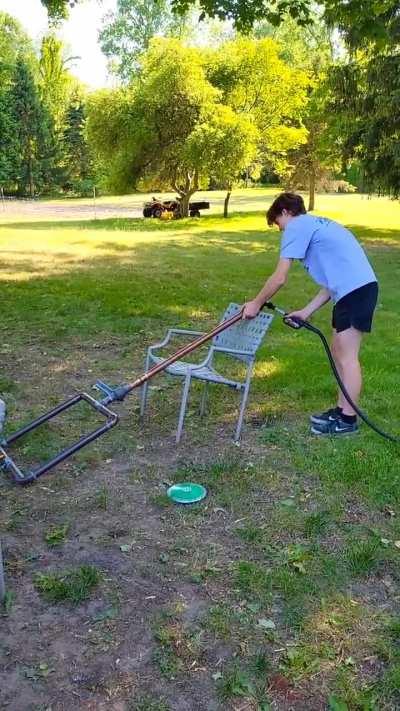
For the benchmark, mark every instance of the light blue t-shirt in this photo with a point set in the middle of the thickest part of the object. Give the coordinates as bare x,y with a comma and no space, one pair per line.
329,252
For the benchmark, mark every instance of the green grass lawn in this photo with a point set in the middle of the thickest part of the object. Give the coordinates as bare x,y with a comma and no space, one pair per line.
299,579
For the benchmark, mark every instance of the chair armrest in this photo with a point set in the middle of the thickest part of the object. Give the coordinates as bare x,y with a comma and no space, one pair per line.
233,352
186,331
172,332
204,363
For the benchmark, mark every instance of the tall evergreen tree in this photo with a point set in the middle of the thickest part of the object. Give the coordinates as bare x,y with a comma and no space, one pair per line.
31,130
77,164
14,43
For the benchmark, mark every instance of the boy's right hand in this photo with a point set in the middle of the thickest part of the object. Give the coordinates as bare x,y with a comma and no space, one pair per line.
251,309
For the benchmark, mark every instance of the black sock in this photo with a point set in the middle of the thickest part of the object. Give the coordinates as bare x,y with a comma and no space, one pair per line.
338,410
350,419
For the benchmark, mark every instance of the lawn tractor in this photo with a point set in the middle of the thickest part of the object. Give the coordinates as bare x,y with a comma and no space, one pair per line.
159,208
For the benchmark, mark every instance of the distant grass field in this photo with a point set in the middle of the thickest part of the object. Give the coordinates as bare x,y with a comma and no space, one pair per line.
317,575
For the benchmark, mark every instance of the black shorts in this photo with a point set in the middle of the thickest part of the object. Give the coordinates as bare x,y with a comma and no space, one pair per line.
356,309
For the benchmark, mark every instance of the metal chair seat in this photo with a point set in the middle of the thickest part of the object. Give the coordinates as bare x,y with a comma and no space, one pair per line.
239,342
181,369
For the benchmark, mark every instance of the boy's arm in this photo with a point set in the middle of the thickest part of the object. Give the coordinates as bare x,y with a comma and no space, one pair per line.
319,300
271,286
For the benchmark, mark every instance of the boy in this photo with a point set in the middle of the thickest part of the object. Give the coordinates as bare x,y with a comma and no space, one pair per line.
337,262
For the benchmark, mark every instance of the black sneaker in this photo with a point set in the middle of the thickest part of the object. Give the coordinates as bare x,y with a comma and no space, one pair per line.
325,417
335,428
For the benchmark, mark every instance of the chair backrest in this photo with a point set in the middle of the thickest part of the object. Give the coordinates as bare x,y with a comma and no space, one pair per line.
245,335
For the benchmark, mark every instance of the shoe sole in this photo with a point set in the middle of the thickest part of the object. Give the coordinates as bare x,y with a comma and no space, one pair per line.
320,420
334,434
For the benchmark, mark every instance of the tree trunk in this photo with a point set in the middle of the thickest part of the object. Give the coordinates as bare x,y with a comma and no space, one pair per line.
185,205
186,192
311,196
30,175
226,202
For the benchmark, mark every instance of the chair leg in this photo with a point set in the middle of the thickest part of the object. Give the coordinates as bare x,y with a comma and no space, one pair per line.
203,401
182,411
144,392
243,404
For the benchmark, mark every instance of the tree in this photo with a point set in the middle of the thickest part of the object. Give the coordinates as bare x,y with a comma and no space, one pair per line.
364,95
364,114
143,130
58,9
308,49
256,83
76,162
222,147
30,124
193,115
56,83
14,43
246,14
315,160
127,32
361,20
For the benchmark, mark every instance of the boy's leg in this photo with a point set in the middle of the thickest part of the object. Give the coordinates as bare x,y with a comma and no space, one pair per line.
346,347
335,355
331,414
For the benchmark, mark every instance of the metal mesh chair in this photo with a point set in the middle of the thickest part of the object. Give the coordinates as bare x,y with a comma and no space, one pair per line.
240,342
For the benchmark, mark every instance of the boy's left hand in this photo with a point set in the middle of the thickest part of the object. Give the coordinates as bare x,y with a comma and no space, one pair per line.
301,314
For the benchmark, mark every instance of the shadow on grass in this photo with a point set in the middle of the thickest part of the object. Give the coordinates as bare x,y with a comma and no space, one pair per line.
132,224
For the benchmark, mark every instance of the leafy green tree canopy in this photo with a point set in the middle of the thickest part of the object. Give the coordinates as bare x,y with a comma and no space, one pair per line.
360,20
58,9
126,33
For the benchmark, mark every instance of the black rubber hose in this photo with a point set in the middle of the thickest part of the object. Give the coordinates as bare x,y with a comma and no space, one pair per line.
360,413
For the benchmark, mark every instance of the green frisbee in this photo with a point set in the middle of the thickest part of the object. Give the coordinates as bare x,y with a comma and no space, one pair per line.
187,493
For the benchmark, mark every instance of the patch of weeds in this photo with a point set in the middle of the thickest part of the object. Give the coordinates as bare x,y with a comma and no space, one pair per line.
305,660
337,704
235,682
252,580
315,524
42,671
102,498
238,682
179,648
16,522
148,703
168,663
161,500
219,620
229,479
109,613
348,695
260,665
56,535
391,683
286,517
6,384
201,573
394,629
73,585
8,602
303,578
238,621
250,534
40,445
362,557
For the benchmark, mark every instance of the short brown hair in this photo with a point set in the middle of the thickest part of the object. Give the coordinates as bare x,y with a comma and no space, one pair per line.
286,201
